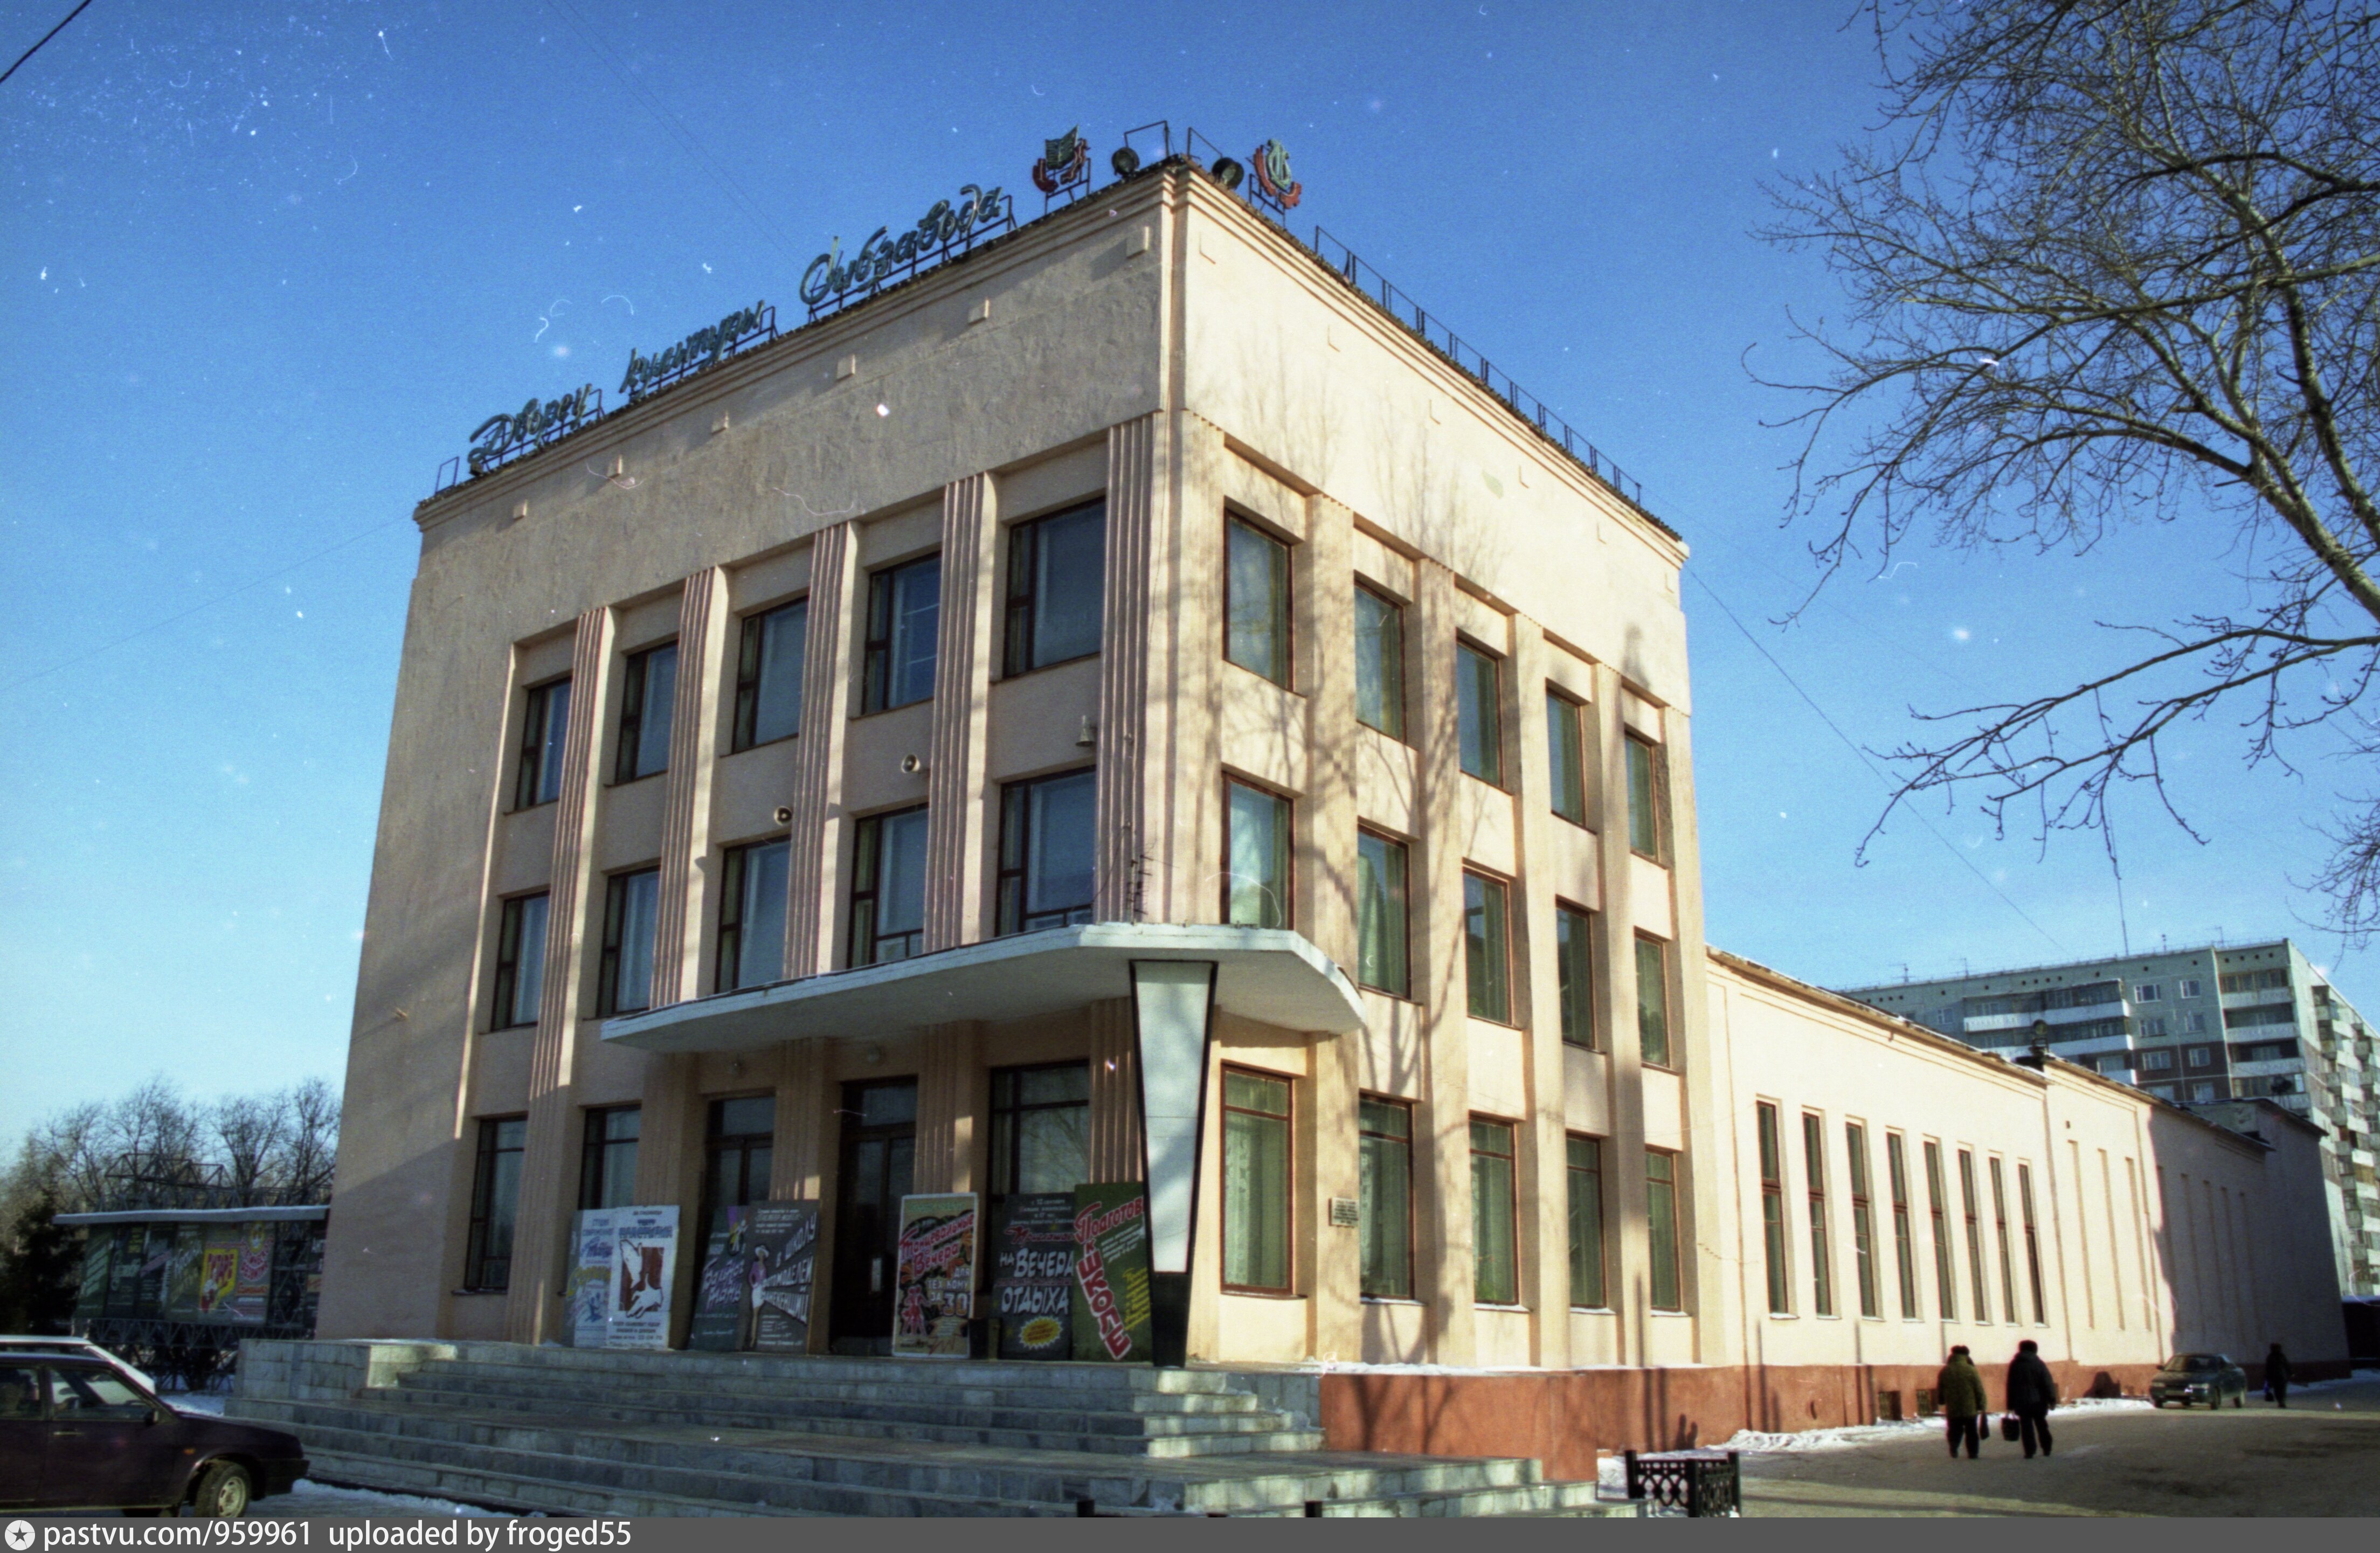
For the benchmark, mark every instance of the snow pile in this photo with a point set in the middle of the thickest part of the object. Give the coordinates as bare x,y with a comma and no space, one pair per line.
323,1497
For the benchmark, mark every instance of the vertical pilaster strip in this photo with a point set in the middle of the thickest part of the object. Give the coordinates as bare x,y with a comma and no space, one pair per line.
801,1086
818,784
946,1109
1447,1271
1617,955
1116,1152
545,1161
686,808
1545,1155
1120,888
955,796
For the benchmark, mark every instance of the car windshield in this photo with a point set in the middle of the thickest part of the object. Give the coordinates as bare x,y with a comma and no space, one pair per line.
2194,1361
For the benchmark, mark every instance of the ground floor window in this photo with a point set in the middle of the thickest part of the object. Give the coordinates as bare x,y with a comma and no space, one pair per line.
738,1150
1040,1128
1661,1229
1585,1223
1385,1146
1255,1181
1495,1246
607,1162
496,1201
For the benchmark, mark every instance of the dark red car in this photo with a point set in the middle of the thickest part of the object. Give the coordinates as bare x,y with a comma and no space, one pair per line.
76,1432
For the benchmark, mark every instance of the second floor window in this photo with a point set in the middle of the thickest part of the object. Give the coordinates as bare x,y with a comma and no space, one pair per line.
1045,852
1255,860
520,962
543,732
1056,576
1653,1002
904,608
631,910
1566,756
1380,939
1380,662
1487,963
1574,965
1479,725
752,916
769,675
888,888
647,699
1644,797
1256,600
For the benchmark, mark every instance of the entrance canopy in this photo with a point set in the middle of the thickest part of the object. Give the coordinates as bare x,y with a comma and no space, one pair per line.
1265,973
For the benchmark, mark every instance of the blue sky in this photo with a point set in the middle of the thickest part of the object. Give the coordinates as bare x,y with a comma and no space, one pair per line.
264,266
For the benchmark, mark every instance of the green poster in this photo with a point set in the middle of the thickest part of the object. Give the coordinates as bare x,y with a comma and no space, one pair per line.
1111,1314
98,1257
182,1272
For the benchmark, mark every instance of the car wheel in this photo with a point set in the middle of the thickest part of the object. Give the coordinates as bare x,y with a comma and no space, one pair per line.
2157,1403
2240,1399
222,1490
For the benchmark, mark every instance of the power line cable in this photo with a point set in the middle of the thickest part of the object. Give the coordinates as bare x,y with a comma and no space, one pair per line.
1964,861
46,38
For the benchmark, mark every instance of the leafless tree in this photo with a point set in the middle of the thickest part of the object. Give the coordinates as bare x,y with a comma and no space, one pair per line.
251,1132
312,1144
2114,262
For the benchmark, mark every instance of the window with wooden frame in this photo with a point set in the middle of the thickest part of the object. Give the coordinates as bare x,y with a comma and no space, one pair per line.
1257,1181
2000,1235
607,1158
1487,948
1380,662
1969,1202
1040,1127
648,704
1653,1002
1904,1231
544,729
1257,842
2031,1242
1046,846
520,962
1648,801
1862,1219
1256,600
1382,940
888,887
1479,712
1057,581
769,654
1772,1209
752,885
1822,1252
1664,1290
495,1202
1938,1207
1586,1254
904,635
623,981
1575,971
1566,756
1384,1145
1495,1237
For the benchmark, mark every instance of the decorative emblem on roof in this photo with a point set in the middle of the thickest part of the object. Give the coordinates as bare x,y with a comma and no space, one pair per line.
1273,178
1066,163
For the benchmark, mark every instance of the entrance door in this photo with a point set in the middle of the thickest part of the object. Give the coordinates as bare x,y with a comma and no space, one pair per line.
880,1144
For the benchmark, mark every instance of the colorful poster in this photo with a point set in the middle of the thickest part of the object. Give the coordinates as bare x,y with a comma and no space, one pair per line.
1033,1275
219,1272
98,1258
255,1287
717,1324
587,1317
933,1290
644,1264
781,1241
182,1270
1111,1272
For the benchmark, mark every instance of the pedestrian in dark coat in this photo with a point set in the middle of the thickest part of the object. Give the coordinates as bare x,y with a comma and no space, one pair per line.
2031,1392
2276,1375
1961,1393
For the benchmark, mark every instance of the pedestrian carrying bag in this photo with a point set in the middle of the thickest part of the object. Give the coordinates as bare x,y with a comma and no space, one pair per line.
2008,1426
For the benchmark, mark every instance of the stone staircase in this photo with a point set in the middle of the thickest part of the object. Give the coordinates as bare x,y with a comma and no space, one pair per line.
575,1432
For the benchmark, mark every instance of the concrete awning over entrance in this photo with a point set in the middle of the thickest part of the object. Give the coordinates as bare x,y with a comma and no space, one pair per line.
1265,973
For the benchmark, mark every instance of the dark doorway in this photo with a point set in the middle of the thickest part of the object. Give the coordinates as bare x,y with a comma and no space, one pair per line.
879,1145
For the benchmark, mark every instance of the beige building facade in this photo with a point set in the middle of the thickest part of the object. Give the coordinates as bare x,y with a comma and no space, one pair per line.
1382,712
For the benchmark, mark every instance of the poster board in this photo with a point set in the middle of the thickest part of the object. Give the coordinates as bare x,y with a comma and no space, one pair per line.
587,1317
644,1264
254,1289
933,1291
1033,1275
182,1269
1111,1295
98,1259
717,1324
219,1271
781,1266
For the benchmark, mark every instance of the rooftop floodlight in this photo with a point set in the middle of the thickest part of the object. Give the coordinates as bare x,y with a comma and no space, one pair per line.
1227,172
1126,161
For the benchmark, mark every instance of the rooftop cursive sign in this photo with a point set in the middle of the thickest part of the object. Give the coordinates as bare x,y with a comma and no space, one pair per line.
502,437
699,349
829,279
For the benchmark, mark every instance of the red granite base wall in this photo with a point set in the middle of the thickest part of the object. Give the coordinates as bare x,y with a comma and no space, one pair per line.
1566,1418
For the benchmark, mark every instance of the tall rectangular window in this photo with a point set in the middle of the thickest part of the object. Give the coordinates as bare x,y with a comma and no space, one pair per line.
904,635
752,916
547,724
1256,857
2031,1242
1772,1209
1645,798
1256,600
1822,1254
1566,756
1904,1233
1974,1222
1057,577
1487,953
496,1201
1586,1169
1938,1207
1040,1128
520,962
1255,1181
738,1153
647,699
769,675
1653,1000
607,1159
1380,662
1382,943
1384,1144
1575,971
624,982
2000,1233
1661,1230
888,887
1046,835
1862,1219
1478,713
1496,1250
